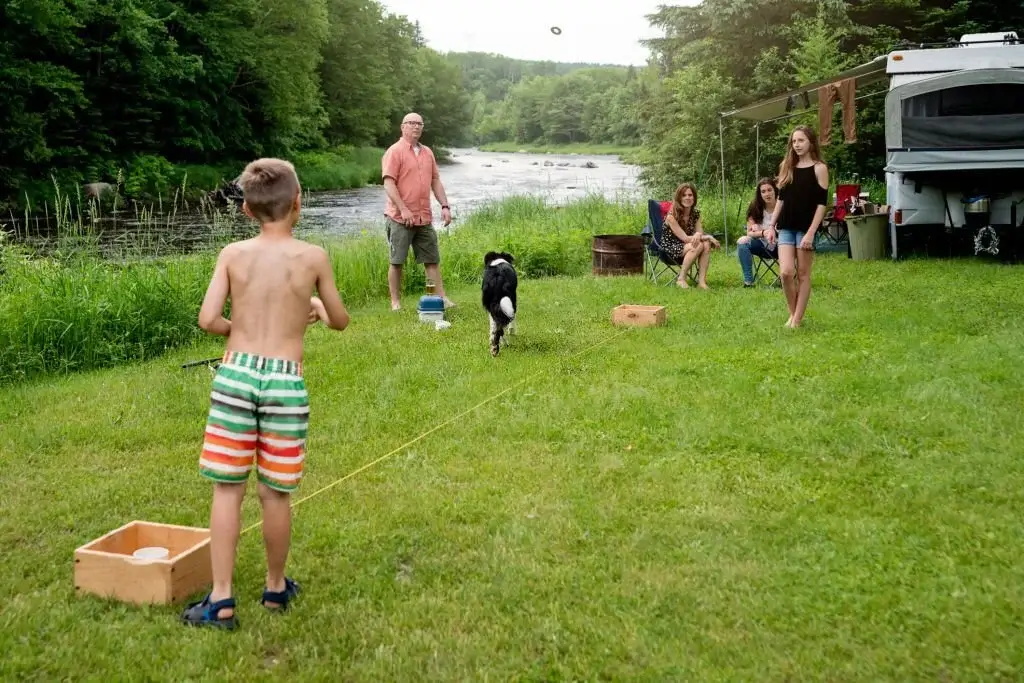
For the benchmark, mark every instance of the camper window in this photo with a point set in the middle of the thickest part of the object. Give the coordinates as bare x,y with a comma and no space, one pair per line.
982,116
991,99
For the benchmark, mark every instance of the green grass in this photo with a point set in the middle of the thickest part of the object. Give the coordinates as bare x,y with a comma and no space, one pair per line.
625,151
75,311
715,500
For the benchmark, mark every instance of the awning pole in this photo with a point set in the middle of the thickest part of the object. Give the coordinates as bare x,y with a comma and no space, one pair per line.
725,203
757,152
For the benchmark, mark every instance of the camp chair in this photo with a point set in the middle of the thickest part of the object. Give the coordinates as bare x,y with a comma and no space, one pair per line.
657,261
846,195
765,266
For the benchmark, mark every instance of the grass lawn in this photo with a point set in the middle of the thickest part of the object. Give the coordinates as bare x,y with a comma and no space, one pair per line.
717,500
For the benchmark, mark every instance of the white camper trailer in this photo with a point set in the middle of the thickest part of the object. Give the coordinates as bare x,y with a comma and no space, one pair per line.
954,135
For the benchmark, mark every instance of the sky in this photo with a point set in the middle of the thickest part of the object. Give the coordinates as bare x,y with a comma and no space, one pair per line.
594,31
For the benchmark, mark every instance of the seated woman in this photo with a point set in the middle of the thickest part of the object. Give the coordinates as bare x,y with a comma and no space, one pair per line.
685,240
759,217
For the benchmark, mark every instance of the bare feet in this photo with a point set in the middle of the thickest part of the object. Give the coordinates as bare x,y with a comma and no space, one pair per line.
682,284
789,323
395,306
703,285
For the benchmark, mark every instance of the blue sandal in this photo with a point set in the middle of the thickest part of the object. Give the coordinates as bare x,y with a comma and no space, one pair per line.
281,599
204,613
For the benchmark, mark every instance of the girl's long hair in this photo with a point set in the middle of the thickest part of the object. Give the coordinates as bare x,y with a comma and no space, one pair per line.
757,206
677,206
790,161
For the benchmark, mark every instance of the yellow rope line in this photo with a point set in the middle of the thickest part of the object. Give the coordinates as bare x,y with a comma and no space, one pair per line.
440,426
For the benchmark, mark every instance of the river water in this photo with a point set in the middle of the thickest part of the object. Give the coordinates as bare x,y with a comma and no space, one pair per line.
475,178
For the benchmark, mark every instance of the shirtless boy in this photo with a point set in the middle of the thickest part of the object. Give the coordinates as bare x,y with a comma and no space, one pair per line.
259,408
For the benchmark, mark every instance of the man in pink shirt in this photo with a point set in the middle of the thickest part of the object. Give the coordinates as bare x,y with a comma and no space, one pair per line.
410,173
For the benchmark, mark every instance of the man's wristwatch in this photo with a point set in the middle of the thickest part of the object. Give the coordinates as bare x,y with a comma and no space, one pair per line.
445,206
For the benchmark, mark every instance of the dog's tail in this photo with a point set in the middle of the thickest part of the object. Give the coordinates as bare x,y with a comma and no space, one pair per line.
506,307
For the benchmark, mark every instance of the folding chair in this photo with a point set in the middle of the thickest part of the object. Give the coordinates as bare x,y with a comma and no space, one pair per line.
658,262
846,195
763,266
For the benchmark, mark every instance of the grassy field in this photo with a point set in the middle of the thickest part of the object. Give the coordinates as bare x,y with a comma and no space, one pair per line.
75,311
716,500
623,151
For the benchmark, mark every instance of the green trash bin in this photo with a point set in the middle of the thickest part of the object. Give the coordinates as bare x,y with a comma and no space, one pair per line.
867,236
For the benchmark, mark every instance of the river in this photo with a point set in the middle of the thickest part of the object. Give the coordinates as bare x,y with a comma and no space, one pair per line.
474,178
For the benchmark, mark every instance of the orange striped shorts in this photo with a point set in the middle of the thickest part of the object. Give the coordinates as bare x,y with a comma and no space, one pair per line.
259,415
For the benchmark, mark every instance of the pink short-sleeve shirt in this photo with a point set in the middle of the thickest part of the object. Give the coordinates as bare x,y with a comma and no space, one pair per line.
414,171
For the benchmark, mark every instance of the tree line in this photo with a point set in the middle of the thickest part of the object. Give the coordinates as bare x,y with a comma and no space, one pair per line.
94,87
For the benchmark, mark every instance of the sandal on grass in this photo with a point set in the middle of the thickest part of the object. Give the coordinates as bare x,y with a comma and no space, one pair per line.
204,613
280,600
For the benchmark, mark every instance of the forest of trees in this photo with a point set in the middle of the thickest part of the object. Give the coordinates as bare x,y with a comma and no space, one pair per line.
545,102
91,87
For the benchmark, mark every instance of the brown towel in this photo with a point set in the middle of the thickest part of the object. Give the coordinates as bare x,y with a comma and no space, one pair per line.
845,91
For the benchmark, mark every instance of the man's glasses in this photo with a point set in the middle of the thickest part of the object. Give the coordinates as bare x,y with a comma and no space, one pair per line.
418,124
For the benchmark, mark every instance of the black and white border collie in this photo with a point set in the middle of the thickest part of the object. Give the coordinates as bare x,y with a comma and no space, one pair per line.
499,296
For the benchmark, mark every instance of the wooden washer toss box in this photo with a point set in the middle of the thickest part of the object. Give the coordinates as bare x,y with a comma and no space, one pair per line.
639,316
105,566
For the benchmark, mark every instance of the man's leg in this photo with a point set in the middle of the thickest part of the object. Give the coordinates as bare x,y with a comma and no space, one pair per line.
395,285
399,239
427,252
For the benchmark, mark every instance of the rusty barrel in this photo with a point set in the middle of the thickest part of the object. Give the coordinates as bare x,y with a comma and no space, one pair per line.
618,254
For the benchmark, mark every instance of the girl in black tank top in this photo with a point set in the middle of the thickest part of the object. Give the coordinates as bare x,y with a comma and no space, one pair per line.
803,194
801,198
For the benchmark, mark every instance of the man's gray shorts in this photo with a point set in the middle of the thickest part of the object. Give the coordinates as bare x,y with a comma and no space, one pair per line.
422,239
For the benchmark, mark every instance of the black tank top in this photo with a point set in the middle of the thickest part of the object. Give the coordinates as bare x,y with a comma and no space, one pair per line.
800,199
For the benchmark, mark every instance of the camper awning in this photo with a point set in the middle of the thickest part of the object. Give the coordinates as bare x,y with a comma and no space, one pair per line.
806,96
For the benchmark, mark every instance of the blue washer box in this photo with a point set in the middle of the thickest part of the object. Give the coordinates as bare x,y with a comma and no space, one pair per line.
431,308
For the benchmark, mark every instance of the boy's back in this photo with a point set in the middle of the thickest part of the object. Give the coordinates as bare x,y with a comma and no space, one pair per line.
271,281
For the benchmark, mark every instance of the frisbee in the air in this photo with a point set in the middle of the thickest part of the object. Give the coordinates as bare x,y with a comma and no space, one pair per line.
557,31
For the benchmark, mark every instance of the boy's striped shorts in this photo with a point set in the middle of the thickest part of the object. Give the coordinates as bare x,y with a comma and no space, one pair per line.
259,413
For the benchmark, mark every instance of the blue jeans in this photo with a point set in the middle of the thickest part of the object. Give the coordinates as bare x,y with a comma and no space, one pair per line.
746,253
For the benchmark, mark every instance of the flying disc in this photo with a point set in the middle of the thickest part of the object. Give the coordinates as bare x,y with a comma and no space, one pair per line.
557,31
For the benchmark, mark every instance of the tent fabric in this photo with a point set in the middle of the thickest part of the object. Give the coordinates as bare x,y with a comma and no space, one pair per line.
907,99
943,160
806,97
962,132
